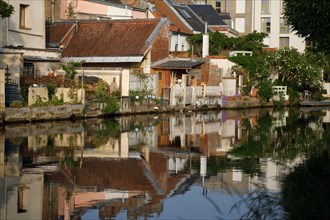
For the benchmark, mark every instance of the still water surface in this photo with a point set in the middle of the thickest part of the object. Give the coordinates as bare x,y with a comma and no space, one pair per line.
255,163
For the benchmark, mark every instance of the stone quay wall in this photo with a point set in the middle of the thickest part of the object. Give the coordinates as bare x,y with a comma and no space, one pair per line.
48,113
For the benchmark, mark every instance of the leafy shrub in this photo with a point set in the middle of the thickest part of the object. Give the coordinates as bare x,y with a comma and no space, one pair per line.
56,101
40,102
51,89
266,90
294,96
111,105
16,104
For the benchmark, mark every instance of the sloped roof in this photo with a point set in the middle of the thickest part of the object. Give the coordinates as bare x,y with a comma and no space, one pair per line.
56,32
117,3
178,63
208,14
116,38
184,2
191,18
166,10
225,16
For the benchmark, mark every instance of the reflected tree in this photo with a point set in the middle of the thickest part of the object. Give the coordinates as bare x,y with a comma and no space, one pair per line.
261,204
306,190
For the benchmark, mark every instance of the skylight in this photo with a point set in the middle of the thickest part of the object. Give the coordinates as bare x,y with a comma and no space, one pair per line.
185,13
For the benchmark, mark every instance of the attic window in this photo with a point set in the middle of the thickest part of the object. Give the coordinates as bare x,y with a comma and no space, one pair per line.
185,13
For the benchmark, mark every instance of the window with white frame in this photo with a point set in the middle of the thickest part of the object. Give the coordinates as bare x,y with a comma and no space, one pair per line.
284,42
240,6
284,27
265,6
240,25
265,25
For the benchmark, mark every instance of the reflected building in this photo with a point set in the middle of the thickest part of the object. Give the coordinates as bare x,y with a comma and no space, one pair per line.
20,193
129,167
208,133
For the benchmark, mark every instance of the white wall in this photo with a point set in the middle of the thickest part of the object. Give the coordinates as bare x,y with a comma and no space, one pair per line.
275,15
224,64
181,40
326,86
121,77
229,86
119,13
34,35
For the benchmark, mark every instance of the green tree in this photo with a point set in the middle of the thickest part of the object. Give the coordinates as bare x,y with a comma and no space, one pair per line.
71,67
195,42
296,70
5,9
255,70
250,42
310,19
219,42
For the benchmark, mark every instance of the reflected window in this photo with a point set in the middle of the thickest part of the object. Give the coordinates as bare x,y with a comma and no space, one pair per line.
22,200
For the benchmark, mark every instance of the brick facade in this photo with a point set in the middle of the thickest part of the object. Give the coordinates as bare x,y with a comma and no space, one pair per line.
160,46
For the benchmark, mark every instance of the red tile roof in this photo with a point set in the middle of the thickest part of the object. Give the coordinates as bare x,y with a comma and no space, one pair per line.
57,31
111,38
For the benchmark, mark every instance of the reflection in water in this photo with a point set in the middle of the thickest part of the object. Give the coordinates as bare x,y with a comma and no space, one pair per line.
227,164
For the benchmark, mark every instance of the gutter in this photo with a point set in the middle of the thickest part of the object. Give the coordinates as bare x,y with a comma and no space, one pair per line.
117,59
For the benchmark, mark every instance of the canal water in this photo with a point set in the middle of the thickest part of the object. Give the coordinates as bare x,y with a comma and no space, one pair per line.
249,164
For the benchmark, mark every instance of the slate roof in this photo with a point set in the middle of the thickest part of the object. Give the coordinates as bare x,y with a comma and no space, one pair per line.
225,16
192,19
207,13
56,32
184,2
178,63
117,38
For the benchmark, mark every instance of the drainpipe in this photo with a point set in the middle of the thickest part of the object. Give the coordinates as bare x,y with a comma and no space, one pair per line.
7,29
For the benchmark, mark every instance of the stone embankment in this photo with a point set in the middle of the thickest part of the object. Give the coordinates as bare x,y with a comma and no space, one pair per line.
72,112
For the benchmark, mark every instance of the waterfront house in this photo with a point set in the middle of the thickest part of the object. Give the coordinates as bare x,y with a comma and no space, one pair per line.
183,23
118,51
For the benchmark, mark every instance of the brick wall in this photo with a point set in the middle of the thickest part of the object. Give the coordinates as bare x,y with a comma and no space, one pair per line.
57,7
214,76
205,73
160,46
